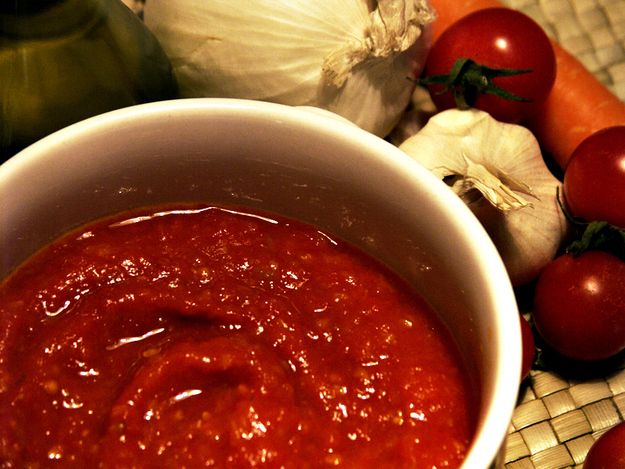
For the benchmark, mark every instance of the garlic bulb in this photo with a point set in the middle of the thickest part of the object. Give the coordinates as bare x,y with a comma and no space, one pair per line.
499,171
339,55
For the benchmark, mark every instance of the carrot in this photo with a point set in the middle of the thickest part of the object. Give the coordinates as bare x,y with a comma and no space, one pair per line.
578,105
450,11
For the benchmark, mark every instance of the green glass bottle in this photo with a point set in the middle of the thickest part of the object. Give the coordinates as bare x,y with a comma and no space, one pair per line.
62,61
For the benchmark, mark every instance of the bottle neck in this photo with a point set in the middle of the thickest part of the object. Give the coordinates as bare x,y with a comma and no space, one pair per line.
33,19
26,7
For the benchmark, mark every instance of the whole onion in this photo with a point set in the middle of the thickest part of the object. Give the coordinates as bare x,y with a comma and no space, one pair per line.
357,58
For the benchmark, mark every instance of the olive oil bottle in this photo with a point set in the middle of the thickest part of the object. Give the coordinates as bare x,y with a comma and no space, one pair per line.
62,61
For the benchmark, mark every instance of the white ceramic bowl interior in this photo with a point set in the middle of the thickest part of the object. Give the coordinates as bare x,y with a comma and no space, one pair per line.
311,166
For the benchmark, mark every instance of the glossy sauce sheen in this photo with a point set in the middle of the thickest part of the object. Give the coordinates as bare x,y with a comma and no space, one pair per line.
204,335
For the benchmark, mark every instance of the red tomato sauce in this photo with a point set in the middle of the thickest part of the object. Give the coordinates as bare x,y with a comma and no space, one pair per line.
206,336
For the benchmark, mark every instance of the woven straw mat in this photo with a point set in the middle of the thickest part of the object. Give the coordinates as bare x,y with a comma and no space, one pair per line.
559,417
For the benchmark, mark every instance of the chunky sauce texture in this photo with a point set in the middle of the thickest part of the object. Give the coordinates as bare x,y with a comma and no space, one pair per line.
206,336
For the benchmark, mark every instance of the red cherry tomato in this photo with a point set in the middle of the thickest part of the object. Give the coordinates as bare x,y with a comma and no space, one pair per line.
499,38
594,180
529,347
579,305
608,452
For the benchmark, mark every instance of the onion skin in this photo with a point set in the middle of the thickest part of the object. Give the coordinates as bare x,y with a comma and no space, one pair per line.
338,55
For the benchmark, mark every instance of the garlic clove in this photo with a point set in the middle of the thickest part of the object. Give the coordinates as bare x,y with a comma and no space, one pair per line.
499,171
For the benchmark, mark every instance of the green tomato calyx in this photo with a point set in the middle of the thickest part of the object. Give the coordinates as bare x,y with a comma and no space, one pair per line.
468,80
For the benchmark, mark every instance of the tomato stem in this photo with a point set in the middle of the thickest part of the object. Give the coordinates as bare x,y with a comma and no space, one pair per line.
600,235
594,235
467,80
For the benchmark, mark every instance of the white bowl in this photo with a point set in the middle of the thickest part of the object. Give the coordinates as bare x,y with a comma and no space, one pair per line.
312,166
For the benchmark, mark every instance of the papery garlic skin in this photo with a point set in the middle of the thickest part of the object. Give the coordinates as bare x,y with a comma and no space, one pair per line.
339,55
522,217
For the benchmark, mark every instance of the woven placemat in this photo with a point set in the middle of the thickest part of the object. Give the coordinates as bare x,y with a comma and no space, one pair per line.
558,418
592,30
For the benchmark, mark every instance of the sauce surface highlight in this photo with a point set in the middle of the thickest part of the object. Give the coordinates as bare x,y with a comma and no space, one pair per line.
208,336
